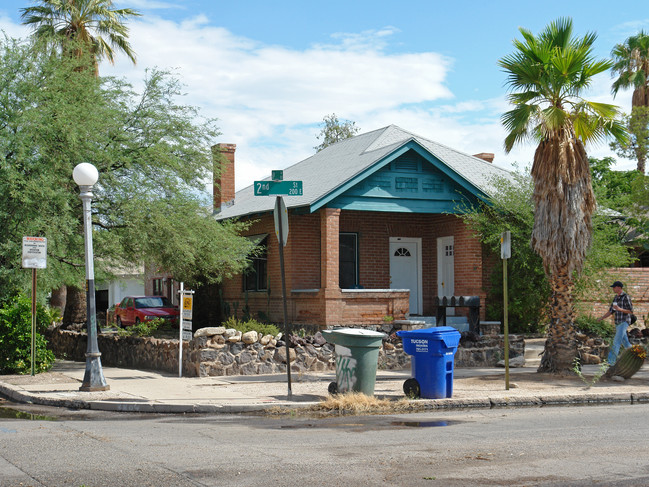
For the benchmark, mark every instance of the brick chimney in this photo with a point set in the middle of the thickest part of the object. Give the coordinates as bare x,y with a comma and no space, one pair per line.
485,156
223,175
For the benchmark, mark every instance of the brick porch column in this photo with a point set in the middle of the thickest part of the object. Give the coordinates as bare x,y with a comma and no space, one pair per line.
329,266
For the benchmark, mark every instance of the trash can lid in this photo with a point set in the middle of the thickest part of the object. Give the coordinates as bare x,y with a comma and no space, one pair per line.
427,332
356,331
447,334
354,337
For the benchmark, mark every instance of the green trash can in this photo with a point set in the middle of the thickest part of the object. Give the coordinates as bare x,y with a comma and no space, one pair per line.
357,357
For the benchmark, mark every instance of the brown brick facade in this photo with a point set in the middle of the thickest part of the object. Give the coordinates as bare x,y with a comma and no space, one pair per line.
311,261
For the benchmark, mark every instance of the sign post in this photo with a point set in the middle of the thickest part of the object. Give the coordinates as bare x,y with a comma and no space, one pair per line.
278,187
281,215
505,254
185,322
34,257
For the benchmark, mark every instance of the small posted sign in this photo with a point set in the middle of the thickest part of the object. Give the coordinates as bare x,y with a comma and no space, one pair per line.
506,245
34,252
187,307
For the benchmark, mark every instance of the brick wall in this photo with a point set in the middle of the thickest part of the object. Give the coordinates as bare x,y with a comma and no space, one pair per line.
223,181
375,229
313,237
597,296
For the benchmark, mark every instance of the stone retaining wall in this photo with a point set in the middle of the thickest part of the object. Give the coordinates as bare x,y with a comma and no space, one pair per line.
221,352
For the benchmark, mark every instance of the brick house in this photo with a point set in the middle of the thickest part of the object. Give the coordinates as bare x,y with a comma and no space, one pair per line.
374,235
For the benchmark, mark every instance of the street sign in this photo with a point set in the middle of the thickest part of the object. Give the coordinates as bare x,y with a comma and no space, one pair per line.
187,307
277,175
272,188
281,216
187,325
187,335
34,252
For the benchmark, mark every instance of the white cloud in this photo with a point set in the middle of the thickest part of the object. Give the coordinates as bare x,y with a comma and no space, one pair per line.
12,29
270,99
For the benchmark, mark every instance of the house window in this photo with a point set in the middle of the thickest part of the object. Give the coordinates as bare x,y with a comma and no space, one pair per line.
256,277
448,250
158,287
402,252
348,261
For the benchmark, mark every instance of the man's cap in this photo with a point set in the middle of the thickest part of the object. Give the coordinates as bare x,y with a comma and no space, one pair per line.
617,284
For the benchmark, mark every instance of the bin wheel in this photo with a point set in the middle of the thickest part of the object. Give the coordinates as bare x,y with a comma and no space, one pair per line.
333,388
411,388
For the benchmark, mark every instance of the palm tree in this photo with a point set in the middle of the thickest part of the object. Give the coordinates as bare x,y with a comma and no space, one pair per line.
82,27
631,64
546,75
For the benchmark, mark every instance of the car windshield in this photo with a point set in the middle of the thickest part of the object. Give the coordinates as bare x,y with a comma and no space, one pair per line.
152,302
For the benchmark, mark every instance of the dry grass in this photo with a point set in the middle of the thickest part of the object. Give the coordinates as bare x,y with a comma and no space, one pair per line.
355,402
352,403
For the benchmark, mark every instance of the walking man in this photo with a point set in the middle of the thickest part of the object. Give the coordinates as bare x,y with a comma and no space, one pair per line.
622,309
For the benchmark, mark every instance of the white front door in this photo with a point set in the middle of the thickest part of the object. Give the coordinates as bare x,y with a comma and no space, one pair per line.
405,269
445,266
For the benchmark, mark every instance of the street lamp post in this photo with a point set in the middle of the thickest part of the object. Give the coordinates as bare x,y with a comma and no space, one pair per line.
86,175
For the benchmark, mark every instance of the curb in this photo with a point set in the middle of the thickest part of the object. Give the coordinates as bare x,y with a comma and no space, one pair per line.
129,406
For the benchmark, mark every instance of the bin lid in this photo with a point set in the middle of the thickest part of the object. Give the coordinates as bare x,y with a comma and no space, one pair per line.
449,335
356,331
354,337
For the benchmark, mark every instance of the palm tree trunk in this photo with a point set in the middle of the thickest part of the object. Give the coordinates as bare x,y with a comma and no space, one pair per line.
561,343
75,308
58,298
639,120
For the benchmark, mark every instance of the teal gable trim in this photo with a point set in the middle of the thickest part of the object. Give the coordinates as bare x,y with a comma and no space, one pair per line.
409,180
396,205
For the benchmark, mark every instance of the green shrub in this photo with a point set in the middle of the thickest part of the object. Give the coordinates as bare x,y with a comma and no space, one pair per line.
250,325
143,329
16,337
592,326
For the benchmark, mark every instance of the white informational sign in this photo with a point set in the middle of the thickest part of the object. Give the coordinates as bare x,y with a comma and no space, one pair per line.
34,252
187,335
281,215
506,245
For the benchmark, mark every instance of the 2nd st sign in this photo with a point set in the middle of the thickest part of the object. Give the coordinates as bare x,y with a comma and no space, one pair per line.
270,188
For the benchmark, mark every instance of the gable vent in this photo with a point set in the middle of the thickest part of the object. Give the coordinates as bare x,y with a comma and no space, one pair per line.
379,182
407,185
432,185
409,165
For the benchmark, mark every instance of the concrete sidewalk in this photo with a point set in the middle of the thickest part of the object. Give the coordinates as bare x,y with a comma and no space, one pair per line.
158,392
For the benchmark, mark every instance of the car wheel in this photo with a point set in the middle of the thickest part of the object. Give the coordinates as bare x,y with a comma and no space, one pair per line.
118,321
137,321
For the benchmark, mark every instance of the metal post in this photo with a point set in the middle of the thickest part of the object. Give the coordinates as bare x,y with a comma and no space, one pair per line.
281,265
33,319
181,292
506,324
93,379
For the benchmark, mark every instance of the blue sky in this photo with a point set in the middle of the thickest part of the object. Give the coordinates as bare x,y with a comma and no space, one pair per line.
270,71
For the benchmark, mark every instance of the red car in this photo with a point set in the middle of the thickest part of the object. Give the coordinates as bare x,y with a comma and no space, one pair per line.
136,309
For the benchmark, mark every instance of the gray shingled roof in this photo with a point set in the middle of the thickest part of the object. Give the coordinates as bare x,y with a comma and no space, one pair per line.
340,163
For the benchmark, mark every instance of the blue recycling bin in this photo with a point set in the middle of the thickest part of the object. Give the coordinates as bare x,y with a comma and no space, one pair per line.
433,352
